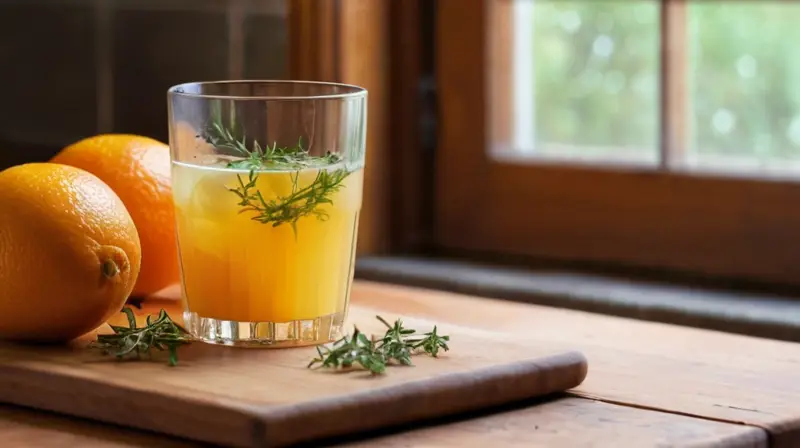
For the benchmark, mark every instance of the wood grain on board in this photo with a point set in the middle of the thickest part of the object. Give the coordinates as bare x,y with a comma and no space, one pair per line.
268,397
560,422
713,375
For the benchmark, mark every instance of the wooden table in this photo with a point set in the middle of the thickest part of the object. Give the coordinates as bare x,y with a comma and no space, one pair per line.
649,384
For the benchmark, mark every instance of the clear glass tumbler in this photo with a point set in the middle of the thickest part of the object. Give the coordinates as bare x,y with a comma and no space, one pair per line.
267,181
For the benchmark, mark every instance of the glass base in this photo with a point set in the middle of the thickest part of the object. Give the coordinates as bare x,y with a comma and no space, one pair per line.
296,333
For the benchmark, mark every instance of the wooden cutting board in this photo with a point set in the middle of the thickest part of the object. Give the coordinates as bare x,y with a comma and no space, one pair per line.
262,397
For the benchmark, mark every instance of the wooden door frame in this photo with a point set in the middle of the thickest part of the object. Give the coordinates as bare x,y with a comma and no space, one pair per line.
413,127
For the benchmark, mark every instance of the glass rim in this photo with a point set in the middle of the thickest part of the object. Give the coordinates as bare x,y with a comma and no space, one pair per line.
356,91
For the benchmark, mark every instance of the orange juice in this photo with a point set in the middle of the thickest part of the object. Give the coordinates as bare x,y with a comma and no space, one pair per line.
238,269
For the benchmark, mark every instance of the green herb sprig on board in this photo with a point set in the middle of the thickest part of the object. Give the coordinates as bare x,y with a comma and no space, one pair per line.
135,342
397,346
302,201
161,333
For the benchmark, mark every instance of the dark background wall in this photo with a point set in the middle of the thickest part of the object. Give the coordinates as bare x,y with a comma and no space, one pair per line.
74,68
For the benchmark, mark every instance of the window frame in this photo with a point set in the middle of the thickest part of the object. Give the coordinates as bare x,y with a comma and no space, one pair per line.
630,216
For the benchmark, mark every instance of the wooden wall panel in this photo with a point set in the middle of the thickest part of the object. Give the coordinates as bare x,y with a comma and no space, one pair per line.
348,41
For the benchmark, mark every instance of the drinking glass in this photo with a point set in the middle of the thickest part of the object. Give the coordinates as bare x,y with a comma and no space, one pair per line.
267,180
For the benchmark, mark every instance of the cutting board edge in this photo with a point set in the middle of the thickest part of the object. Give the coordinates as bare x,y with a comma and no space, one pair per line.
424,398
241,423
74,400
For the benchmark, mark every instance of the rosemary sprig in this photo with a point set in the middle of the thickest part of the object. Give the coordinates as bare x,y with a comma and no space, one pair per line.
394,344
302,201
222,138
289,209
132,342
281,157
431,343
348,351
397,344
400,342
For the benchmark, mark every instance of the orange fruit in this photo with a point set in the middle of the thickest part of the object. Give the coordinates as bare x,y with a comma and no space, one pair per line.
69,252
138,170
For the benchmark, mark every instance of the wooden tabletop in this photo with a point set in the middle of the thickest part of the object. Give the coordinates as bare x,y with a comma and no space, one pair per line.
562,421
649,384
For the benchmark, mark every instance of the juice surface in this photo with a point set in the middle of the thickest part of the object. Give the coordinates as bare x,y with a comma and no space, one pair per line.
238,269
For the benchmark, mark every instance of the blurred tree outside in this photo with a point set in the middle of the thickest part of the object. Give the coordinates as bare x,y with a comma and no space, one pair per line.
596,71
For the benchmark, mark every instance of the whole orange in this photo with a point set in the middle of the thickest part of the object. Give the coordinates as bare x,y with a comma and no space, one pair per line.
138,170
69,252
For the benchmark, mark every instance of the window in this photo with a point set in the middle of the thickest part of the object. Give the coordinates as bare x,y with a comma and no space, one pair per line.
656,134
583,78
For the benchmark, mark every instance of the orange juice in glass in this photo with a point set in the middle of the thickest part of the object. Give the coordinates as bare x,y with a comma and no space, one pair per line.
267,182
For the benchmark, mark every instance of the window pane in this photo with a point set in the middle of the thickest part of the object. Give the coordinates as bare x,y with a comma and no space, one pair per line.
584,77
745,78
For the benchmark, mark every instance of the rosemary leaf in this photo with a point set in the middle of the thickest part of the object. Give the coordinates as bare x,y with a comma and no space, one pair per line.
302,201
131,342
398,344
